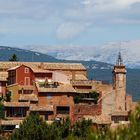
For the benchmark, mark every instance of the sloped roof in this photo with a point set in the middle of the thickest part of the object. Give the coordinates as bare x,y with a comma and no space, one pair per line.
35,69
44,65
82,82
14,68
100,119
61,88
119,113
39,70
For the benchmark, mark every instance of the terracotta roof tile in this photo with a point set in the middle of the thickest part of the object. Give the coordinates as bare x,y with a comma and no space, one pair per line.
60,88
44,65
119,113
101,119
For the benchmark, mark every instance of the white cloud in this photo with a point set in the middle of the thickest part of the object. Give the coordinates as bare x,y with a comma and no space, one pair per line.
126,2
73,15
70,29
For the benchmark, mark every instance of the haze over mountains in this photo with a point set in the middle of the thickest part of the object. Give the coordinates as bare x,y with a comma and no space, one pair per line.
27,55
104,53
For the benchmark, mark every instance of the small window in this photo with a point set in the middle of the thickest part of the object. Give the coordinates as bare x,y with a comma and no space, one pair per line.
26,70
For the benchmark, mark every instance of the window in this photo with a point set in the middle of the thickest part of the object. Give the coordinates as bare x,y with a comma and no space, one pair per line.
16,112
26,70
27,81
62,109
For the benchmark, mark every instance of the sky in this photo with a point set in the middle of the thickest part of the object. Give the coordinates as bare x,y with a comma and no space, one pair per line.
68,22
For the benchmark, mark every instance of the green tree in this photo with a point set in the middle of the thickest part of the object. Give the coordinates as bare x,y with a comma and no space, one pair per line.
30,129
13,58
8,96
2,114
35,128
94,95
82,128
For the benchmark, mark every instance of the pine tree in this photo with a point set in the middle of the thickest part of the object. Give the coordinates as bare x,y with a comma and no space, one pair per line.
13,58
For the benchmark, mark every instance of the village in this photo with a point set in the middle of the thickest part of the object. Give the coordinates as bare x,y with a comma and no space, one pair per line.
59,90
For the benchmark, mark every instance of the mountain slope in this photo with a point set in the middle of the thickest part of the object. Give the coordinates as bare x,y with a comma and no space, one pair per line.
104,53
24,55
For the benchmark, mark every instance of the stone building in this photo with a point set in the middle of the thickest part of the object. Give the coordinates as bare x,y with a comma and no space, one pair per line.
53,89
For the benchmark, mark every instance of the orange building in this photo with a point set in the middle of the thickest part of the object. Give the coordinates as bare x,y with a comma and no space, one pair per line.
51,89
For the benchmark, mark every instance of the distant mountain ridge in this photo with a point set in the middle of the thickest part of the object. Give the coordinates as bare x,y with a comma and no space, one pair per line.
27,55
103,53
24,55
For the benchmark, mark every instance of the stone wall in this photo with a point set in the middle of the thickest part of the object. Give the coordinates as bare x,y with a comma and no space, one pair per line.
108,103
80,110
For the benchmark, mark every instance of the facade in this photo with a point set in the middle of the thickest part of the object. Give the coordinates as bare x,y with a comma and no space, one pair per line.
3,82
57,91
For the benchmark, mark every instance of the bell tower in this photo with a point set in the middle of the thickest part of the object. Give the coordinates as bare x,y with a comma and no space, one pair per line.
119,84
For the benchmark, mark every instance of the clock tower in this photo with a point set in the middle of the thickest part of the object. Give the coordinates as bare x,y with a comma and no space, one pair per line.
119,84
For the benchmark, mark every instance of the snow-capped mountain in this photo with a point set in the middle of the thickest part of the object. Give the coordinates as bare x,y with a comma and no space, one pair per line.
105,53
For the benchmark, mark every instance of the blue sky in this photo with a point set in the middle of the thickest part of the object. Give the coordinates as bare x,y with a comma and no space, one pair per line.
68,22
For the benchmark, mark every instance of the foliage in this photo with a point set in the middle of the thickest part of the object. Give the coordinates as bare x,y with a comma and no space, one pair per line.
93,94
1,98
8,96
81,128
130,132
36,129
1,111
77,99
32,128
13,58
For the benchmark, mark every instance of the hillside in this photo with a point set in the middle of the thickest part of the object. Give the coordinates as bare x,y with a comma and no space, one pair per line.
27,55
24,55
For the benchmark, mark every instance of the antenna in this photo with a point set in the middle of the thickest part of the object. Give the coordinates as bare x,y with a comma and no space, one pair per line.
119,60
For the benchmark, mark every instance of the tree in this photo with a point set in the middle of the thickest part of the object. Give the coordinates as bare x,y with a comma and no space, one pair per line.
82,128
1,111
31,129
13,58
34,128
8,96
